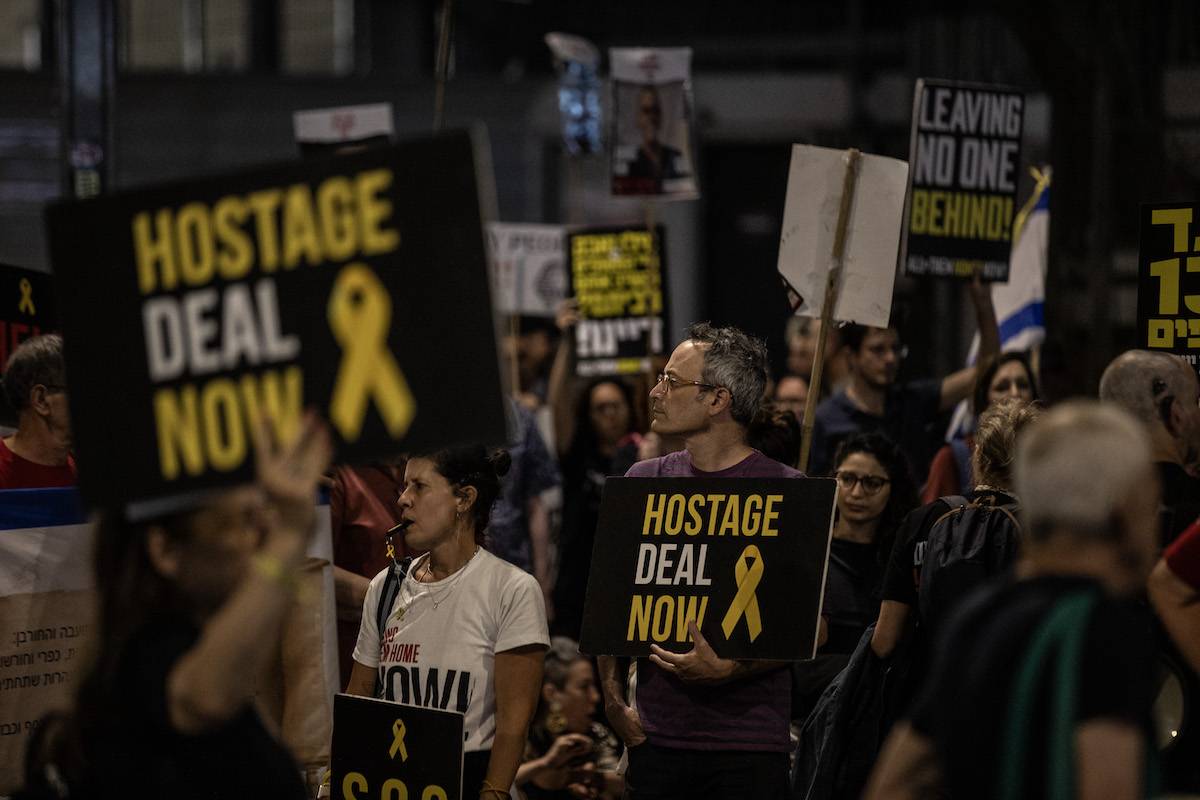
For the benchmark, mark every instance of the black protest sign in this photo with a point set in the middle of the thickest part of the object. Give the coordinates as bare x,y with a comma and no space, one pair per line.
963,168
356,284
745,558
619,277
26,310
1168,303
385,749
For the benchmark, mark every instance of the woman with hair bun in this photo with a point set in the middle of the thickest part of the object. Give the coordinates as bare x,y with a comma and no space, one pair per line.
466,631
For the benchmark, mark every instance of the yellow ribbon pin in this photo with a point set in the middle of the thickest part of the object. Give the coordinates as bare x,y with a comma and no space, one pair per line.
748,572
398,730
360,315
25,305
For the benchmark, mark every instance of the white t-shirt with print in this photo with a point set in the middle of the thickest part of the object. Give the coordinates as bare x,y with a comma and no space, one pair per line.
444,656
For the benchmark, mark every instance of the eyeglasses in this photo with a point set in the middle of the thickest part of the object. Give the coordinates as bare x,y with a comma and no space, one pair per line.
871,484
673,382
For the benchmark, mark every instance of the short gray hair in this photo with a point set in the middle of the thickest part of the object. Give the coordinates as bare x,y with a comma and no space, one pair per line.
1076,465
737,362
36,360
1139,380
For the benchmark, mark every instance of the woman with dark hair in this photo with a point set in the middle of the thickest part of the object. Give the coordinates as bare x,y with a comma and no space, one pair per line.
191,607
463,621
569,753
1008,375
875,492
596,437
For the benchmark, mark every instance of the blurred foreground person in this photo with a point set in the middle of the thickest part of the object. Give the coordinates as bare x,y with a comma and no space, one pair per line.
191,610
38,455
463,628
1042,686
569,754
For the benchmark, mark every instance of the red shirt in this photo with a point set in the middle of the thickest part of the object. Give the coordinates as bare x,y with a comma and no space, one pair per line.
1183,556
21,473
362,506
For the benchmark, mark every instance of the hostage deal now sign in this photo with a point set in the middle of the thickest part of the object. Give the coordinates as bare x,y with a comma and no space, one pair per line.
744,558
192,309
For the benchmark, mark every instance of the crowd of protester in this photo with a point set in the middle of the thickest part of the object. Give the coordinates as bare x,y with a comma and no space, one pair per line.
997,612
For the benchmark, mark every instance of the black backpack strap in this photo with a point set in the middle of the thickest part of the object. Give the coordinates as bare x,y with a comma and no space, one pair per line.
387,599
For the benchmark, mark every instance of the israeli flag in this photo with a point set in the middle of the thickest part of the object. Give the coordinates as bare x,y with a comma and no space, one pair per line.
1020,302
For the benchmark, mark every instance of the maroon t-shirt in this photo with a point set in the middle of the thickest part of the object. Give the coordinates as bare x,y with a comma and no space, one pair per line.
1183,556
750,714
20,473
362,506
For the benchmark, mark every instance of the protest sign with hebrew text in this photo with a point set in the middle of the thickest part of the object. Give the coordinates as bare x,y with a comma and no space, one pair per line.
1168,304
618,275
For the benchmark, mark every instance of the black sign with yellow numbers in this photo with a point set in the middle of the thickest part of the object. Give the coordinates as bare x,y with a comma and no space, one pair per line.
385,749
356,285
26,310
743,557
1169,280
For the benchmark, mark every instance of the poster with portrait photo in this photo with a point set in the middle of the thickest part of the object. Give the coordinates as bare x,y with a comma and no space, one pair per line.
652,152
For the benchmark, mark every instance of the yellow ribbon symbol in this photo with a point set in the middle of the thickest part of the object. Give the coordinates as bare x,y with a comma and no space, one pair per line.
360,314
748,572
26,304
398,730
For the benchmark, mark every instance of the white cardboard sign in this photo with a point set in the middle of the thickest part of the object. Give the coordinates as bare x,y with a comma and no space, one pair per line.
528,268
810,217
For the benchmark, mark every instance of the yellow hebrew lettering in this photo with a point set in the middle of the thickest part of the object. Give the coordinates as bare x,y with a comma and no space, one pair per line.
1167,272
1161,334
1180,218
1192,301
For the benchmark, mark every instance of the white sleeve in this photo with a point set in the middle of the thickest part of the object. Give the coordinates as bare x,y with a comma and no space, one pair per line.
522,613
366,649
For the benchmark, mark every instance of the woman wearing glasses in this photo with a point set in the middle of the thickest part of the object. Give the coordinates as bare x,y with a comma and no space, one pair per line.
875,492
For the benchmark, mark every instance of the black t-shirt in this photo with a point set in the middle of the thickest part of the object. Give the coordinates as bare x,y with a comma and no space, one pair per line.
851,593
900,580
909,411
139,754
965,702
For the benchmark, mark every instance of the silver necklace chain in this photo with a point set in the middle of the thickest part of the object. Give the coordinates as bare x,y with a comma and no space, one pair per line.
437,601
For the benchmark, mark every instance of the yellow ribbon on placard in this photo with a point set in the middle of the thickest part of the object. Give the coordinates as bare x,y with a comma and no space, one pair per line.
360,316
398,731
749,571
25,305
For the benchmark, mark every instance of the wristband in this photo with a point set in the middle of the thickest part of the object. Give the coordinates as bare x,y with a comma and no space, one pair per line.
489,789
272,568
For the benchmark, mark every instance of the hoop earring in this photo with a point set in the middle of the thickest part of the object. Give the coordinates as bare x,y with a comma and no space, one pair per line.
556,720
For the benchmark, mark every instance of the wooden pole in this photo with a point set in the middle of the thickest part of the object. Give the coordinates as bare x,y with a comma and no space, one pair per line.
832,284
442,65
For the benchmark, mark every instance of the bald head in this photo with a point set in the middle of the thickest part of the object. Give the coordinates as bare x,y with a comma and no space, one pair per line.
1160,390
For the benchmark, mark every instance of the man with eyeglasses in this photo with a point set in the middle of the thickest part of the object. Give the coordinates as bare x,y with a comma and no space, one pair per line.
38,454
905,412
705,726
